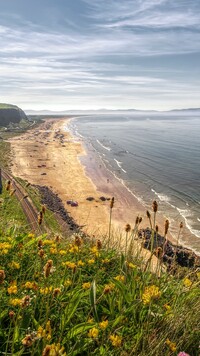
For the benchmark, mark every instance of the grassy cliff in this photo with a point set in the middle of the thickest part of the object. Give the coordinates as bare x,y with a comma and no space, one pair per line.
80,297
11,114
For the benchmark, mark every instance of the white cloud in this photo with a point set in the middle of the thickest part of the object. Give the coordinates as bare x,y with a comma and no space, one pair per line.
101,65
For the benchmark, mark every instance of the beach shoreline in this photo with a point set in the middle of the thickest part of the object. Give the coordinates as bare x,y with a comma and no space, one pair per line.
51,155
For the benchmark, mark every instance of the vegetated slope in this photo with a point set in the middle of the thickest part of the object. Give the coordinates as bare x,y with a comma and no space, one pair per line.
11,114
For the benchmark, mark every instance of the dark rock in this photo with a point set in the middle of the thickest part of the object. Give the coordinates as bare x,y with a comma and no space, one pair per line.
183,256
102,198
54,203
90,198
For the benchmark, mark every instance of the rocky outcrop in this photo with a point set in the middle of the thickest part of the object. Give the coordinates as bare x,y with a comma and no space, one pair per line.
11,114
167,251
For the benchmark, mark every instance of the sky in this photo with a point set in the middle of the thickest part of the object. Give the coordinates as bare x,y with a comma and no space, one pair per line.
94,54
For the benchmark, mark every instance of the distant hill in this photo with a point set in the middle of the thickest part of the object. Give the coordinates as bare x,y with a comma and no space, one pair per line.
192,111
11,114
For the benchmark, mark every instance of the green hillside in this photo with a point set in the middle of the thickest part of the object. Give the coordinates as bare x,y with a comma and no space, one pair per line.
11,114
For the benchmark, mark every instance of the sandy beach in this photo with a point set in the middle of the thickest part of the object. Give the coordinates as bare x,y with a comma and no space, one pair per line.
49,155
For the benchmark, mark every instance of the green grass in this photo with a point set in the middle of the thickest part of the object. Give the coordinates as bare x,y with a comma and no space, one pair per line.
4,154
7,106
11,213
87,300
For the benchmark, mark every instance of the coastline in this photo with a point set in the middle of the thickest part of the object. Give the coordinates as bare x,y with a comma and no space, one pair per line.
129,205
51,155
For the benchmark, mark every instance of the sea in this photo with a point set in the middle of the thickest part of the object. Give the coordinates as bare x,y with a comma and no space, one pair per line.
156,157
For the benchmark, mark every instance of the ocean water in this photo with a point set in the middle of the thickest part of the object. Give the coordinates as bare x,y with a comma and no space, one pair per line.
155,157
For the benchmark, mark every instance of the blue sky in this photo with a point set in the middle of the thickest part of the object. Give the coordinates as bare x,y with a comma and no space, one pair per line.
91,54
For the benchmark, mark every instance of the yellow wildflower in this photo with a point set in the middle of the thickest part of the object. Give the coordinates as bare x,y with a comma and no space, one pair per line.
15,302
45,332
74,249
95,251
49,242
120,278
150,293
62,252
86,285
92,261
30,285
187,282
4,248
14,265
108,288
54,350
5,245
167,307
12,289
31,235
103,324
90,320
106,260
131,265
67,283
80,263
93,333
171,345
46,290
116,340
70,265
53,250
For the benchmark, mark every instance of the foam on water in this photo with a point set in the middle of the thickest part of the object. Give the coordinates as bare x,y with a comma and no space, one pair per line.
162,197
101,144
187,215
119,165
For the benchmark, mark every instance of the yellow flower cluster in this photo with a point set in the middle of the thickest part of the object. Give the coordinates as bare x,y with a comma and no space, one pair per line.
108,288
73,249
46,290
53,250
86,285
30,285
187,282
49,242
150,293
46,332
14,265
93,333
62,252
103,324
116,340
105,261
171,345
95,251
69,264
80,263
4,248
31,235
91,262
54,350
15,302
67,283
13,288
120,278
